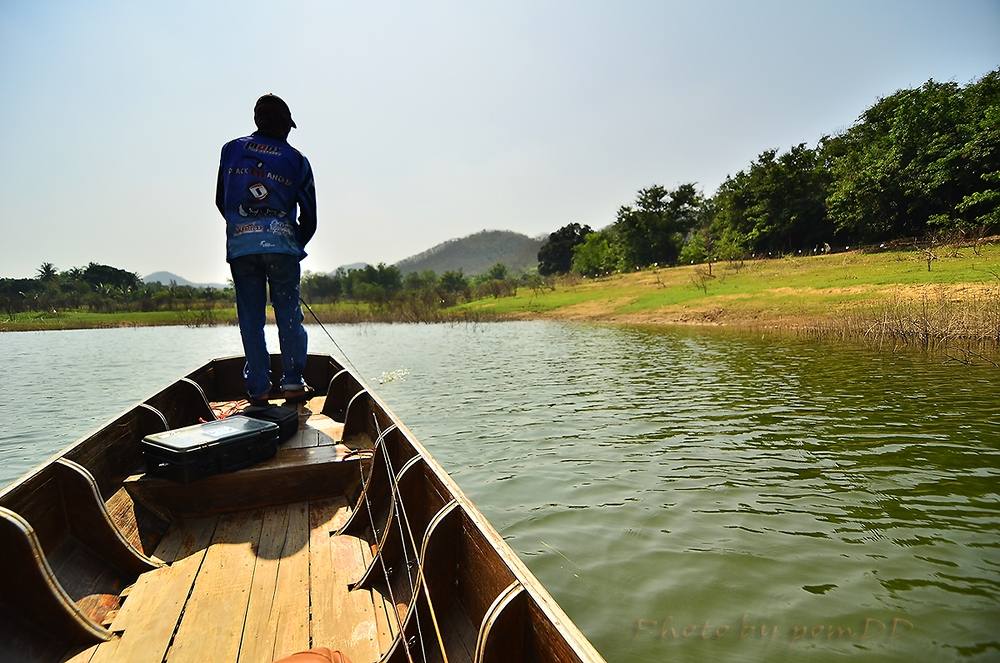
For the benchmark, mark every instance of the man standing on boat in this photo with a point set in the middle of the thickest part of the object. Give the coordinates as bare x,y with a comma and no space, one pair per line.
262,180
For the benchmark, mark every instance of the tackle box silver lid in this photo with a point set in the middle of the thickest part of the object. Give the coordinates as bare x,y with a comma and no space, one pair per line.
210,433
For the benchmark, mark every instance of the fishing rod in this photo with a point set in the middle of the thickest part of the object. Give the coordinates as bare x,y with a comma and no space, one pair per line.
330,336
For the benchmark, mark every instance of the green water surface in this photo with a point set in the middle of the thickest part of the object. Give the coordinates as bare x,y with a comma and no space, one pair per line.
684,496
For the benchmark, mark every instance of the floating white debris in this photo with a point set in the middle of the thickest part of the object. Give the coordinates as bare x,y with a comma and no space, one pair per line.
392,376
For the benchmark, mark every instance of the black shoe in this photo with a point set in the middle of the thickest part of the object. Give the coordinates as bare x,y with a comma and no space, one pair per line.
299,394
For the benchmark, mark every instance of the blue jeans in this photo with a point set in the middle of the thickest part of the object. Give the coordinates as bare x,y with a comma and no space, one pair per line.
281,273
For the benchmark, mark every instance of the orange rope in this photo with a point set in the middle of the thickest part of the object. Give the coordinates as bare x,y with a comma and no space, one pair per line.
228,408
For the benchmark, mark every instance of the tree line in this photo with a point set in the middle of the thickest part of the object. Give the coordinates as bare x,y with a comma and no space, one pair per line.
106,289
100,288
921,161
387,286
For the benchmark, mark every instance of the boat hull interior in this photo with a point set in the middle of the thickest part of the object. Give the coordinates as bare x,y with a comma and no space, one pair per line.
352,537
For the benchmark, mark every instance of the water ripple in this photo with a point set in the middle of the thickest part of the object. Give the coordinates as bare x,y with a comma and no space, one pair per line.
837,501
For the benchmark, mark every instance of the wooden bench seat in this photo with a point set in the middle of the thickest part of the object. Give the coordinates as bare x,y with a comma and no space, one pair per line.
311,465
292,474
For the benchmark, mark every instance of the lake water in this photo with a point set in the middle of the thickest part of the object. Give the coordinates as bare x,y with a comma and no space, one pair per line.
683,495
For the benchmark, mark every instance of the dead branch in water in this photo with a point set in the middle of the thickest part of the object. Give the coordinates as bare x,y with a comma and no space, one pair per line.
935,322
971,358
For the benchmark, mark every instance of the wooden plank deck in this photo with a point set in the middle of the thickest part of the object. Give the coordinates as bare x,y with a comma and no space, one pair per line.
250,587
277,619
341,617
212,626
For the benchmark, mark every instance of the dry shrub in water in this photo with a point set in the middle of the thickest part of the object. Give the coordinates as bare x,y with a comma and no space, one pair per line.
934,322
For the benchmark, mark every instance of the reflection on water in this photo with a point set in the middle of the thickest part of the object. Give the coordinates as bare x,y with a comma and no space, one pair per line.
683,495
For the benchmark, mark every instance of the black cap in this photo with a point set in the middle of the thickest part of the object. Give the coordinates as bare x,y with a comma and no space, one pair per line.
273,104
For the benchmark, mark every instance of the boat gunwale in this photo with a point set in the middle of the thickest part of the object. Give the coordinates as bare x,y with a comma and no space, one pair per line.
86,437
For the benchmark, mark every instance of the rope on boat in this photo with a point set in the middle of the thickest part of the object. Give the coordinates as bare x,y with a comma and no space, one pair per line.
329,335
388,583
420,569
394,487
225,410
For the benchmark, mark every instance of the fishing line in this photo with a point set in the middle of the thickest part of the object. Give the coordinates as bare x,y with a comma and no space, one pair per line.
330,336
382,445
422,579
385,572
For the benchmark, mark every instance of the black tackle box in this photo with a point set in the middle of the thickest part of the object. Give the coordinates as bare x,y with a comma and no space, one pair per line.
192,452
287,418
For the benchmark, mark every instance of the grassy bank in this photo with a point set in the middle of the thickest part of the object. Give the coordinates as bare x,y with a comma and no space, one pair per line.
82,319
201,317
341,312
850,293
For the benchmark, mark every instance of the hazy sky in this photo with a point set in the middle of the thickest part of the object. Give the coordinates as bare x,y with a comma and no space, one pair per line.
425,120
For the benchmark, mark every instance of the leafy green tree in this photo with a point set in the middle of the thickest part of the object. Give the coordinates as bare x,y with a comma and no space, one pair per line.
916,160
111,280
47,272
654,229
777,204
452,287
598,254
496,282
497,272
981,209
425,280
694,249
19,295
387,276
556,254
378,284
454,281
318,286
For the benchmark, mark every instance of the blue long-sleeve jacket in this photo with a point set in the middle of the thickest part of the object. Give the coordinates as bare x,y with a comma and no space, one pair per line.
261,182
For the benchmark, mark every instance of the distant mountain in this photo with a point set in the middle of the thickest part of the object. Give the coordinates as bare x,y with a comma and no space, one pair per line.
477,253
167,277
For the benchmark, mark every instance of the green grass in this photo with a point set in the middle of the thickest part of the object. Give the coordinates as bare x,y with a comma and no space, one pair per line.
534,303
807,285
78,319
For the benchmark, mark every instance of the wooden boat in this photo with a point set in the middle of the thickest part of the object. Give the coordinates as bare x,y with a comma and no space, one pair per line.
352,537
